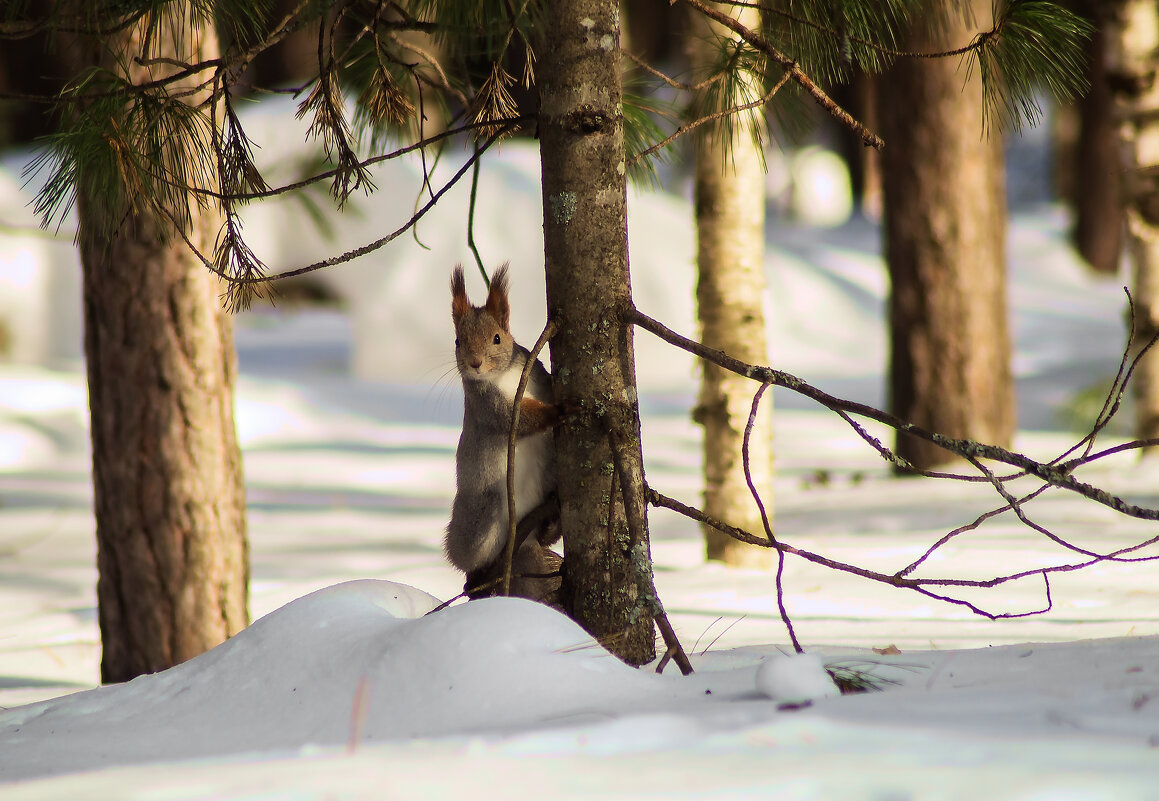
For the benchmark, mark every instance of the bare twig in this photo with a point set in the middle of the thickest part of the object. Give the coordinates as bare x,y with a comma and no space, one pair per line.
675,84
635,513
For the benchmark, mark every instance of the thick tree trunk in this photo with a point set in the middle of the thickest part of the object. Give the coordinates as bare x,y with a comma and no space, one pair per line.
167,473
607,563
1134,44
1098,201
945,230
730,289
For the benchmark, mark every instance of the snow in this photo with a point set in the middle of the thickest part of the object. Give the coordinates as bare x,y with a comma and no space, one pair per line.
344,688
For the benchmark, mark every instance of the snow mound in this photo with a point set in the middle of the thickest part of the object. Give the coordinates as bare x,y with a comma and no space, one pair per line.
354,663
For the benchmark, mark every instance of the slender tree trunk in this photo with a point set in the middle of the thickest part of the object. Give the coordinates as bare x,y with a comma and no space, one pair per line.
1134,43
945,230
167,472
607,563
730,289
1098,198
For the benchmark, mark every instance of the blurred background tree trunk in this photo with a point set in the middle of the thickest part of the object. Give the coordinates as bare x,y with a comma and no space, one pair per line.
943,189
1097,189
1133,42
730,292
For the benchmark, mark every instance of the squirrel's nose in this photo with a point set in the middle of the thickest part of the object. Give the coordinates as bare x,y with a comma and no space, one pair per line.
476,364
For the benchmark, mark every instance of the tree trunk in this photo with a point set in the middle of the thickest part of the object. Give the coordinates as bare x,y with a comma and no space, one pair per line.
730,235
607,564
167,473
1098,202
1134,43
945,230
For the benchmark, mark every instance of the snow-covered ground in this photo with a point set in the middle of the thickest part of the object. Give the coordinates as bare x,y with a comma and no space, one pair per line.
343,689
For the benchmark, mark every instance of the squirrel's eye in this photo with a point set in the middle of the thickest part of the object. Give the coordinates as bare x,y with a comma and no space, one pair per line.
497,340
456,343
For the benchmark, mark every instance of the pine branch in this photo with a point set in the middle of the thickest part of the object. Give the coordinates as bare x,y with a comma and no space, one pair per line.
793,70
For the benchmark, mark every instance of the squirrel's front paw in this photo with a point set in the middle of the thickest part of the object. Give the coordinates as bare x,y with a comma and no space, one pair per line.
568,408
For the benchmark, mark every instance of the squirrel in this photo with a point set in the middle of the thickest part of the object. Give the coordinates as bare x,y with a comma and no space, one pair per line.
490,363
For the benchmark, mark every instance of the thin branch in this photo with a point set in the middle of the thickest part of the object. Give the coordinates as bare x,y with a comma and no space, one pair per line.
509,554
675,84
369,162
716,115
892,579
1058,475
636,513
349,255
971,526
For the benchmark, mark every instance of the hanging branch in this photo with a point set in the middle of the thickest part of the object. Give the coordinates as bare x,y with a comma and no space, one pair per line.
349,255
471,234
748,477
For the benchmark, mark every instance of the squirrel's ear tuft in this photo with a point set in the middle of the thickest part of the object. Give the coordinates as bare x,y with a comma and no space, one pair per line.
497,303
459,303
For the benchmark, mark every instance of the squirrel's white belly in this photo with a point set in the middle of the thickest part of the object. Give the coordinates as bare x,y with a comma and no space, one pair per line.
534,474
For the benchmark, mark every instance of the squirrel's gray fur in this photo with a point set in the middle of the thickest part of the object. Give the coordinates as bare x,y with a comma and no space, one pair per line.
490,362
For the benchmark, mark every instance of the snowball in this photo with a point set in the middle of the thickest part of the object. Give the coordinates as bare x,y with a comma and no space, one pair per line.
795,678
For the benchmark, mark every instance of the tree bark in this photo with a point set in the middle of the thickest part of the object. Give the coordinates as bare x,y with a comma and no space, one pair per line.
1098,201
1133,40
607,563
730,290
167,473
945,231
